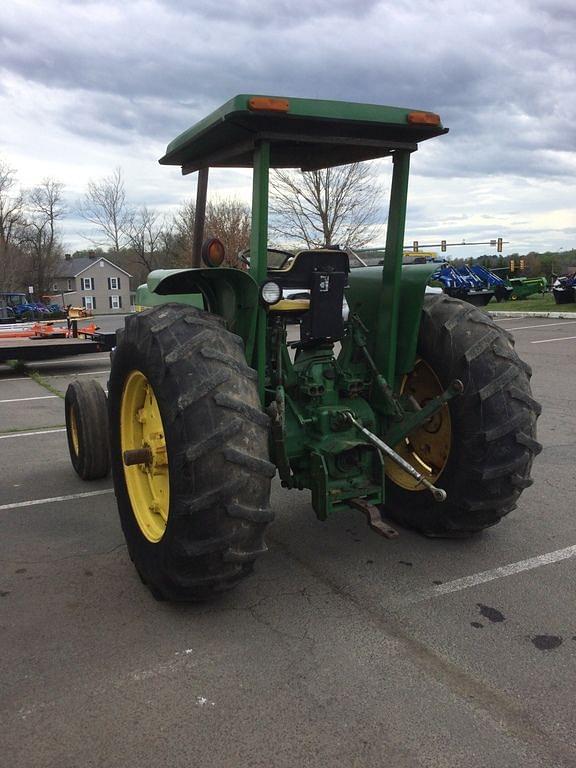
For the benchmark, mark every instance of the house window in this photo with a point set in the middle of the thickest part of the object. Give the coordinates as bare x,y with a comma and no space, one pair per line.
69,284
87,283
115,302
113,283
89,302
54,286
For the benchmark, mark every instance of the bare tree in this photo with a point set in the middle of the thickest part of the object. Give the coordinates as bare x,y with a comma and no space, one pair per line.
332,206
45,207
104,205
11,228
145,234
229,221
179,235
226,219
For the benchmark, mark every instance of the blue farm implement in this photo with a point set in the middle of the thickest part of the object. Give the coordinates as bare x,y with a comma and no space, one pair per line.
564,289
502,290
25,311
463,283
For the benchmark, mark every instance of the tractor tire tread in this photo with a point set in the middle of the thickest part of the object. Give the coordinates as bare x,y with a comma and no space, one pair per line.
493,423
257,466
202,388
229,361
252,514
249,412
217,439
244,556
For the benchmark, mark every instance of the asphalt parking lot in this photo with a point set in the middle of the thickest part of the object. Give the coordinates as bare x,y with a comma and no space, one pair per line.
343,649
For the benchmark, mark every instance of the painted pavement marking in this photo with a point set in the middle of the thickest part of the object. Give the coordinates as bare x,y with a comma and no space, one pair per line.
24,399
52,499
545,325
545,341
31,434
503,571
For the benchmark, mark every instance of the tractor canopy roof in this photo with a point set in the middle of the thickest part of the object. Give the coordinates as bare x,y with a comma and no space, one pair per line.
303,133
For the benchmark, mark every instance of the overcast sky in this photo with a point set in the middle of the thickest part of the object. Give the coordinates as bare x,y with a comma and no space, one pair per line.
88,86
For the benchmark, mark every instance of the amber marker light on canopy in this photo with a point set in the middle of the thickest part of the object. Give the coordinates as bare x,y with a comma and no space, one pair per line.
265,103
213,252
423,118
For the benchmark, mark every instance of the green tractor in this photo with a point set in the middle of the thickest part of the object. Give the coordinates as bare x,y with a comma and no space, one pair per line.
413,406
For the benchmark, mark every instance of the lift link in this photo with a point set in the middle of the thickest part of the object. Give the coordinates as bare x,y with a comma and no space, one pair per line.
421,414
438,493
392,406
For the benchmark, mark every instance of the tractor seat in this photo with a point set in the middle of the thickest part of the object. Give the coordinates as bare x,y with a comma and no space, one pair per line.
294,301
291,305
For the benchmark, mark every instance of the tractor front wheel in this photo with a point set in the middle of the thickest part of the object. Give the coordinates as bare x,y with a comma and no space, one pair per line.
87,429
189,448
479,448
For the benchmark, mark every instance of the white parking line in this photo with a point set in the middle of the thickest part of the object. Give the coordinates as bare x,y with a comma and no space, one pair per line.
23,399
31,434
545,325
58,376
76,359
55,498
497,573
545,341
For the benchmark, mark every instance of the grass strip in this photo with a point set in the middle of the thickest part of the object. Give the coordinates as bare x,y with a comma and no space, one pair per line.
20,367
538,303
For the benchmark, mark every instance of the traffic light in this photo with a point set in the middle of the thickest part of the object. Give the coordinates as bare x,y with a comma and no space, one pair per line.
512,265
499,245
415,246
443,245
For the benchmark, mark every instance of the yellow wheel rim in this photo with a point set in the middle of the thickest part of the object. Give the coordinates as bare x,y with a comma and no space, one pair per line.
74,429
426,448
141,428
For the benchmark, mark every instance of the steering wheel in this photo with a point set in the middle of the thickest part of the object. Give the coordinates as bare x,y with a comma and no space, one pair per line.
244,256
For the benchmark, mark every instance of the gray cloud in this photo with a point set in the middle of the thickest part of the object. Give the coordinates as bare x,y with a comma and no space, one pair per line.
500,77
133,74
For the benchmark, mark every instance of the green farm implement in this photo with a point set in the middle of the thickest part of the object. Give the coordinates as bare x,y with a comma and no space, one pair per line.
410,406
523,287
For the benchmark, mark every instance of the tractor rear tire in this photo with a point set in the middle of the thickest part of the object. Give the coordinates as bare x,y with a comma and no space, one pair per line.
87,429
493,423
216,444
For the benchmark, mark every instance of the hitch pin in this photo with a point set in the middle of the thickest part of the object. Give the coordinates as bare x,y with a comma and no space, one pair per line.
438,493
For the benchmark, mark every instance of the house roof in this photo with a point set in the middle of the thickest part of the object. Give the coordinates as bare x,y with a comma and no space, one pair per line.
73,267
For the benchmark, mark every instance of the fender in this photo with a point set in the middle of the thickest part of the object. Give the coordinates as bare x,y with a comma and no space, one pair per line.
363,296
230,293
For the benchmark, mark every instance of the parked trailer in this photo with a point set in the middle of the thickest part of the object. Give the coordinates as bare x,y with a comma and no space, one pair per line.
47,341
